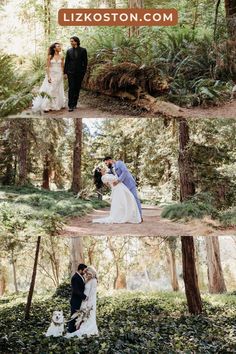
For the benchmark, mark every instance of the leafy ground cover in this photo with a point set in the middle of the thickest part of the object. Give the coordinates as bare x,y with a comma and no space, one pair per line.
129,322
34,208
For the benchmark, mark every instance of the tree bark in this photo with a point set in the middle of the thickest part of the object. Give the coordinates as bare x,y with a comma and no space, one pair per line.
13,261
134,30
77,154
187,189
23,153
172,265
46,173
216,283
77,253
216,17
230,11
190,276
2,282
47,20
33,278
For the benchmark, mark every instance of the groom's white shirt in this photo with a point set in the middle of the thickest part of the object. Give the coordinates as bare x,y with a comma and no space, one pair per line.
114,169
80,276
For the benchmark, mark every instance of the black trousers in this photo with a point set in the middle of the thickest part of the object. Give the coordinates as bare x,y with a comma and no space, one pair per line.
71,324
74,82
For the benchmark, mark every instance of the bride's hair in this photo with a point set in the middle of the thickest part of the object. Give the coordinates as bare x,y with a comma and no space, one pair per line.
51,49
92,271
97,178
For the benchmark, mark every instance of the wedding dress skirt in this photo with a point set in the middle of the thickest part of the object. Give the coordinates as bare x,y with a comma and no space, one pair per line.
89,327
124,208
55,90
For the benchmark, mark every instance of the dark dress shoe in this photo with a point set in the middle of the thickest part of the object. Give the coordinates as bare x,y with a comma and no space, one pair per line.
70,109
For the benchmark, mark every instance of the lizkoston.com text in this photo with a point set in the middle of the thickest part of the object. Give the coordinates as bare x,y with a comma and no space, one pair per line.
123,17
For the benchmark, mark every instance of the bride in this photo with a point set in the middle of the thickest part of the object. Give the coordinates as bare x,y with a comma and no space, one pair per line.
53,85
124,208
89,326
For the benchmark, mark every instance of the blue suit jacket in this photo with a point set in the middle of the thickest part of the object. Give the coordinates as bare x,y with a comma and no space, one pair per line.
124,175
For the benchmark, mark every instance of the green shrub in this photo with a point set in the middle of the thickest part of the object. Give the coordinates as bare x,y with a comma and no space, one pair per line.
196,207
228,217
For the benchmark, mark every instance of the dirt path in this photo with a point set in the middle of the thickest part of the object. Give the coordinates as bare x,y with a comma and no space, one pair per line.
99,106
227,110
153,225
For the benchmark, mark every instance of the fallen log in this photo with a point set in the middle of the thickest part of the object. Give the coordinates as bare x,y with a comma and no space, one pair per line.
140,85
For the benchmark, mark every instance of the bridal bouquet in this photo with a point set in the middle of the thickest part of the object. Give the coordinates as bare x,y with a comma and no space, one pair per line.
81,316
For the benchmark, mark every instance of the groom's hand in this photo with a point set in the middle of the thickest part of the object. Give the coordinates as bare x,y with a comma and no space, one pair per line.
115,183
65,76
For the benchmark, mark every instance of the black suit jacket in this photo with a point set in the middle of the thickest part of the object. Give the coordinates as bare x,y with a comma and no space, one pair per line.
76,64
77,285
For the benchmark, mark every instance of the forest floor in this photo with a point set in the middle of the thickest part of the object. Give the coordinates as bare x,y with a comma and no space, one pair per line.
153,225
128,322
94,105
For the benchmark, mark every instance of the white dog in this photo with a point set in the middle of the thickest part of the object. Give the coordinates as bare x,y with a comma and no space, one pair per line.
233,93
56,327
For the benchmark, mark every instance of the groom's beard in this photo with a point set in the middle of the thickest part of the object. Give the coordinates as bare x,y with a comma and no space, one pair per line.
110,165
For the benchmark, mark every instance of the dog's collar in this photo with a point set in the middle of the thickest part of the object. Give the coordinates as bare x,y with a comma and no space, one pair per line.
57,324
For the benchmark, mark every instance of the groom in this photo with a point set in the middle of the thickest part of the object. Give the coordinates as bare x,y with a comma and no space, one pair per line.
78,285
120,169
75,68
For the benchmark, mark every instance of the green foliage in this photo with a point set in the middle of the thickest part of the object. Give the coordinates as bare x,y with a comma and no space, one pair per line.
128,323
15,88
198,206
228,217
42,210
63,291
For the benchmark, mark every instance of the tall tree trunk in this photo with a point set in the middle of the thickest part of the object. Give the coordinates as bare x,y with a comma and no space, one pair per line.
23,150
187,189
33,278
230,10
120,278
13,261
46,173
47,21
172,264
200,273
190,276
77,253
216,283
134,4
216,17
77,154
54,261
195,14
2,282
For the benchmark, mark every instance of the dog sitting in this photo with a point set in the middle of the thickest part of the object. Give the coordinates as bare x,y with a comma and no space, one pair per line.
56,327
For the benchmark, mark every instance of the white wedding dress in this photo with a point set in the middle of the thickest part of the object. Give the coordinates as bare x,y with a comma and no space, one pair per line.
124,208
55,90
89,327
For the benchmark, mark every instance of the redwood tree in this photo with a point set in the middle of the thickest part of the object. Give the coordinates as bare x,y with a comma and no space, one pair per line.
187,189
46,172
230,11
77,153
23,150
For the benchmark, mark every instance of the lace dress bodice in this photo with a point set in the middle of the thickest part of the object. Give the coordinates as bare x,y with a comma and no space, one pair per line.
55,66
109,178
